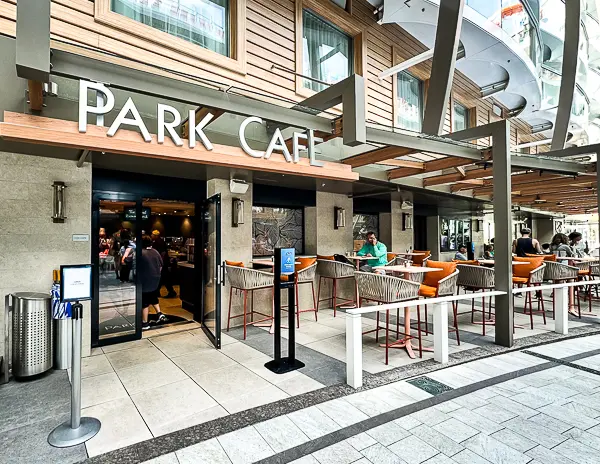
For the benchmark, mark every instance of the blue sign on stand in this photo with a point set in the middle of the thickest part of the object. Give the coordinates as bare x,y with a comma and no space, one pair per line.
288,259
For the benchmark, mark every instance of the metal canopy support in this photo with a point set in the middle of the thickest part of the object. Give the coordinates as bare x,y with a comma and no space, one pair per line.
83,158
120,77
350,92
575,151
502,227
569,73
33,40
447,39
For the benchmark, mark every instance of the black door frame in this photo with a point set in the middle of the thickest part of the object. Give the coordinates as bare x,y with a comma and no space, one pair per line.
126,186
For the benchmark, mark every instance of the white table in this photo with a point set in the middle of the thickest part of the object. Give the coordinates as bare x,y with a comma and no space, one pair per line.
267,262
410,253
491,262
576,260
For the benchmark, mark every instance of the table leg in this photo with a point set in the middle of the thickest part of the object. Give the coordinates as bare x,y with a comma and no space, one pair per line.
406,343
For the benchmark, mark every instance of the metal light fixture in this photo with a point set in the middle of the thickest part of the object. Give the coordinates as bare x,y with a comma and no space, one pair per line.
58,202
237,212
339,217
407,221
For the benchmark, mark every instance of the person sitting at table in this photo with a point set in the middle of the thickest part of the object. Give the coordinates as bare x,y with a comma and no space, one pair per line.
488,251
560,245
375,249
577,245
526,245
461,254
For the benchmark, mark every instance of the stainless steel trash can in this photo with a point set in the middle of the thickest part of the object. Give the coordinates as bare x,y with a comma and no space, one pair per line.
62,343
31,333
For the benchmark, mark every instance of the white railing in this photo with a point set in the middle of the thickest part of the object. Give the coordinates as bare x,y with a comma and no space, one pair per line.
354,328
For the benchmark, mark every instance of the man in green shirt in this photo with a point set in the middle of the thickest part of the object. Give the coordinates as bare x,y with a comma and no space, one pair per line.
375,249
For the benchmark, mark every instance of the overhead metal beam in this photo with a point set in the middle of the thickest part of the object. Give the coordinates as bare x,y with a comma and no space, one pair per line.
350,92
569,73
75,66
447,39
33,40
574,151
83,157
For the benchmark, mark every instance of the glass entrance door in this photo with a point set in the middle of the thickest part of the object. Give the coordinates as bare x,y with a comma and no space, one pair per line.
212,269
116,316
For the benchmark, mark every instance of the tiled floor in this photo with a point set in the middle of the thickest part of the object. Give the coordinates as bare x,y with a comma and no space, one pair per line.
548,413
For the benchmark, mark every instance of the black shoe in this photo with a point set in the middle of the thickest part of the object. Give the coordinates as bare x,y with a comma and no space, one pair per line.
162,318
171,295
145,325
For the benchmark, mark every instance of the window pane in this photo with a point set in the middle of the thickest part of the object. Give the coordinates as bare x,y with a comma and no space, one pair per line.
201,22
276,227
410,102
460,118
363,223
327,52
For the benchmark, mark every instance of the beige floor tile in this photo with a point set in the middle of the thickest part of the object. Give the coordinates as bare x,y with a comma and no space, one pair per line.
125,346
245,446
148,376
101,389
241,352
180,343
160,406
299,384
170,458
206,452
96,351
135,356
227,340
95,365
201,362
257,365
122,425
179,423
253,399
230,382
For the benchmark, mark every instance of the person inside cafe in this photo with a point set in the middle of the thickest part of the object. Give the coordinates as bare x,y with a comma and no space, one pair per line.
149,275
577,244
560,246
488,251
526,244
159,244
375,249
127,255
461,254
103,242
546,248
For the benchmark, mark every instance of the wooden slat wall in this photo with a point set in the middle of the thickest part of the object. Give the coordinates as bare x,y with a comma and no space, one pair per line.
269,39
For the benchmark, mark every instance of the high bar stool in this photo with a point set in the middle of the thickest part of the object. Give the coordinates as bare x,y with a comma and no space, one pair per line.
305,274
334,271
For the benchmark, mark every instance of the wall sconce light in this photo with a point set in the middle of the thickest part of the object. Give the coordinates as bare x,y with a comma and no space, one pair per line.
237,212
478,225
407,223
339,217
58,202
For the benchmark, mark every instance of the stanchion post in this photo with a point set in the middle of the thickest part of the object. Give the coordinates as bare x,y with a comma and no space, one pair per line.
561,323
277,304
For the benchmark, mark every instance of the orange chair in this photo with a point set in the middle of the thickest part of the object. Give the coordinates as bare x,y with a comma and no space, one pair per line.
391,257
419,260
439,283
546,257
234,263
470,262
530,274
305,271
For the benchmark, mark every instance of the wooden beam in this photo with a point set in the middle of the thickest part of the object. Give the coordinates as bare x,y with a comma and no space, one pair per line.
460,170
456,177
200,114
466,184
57,132
403,164
377,155
430,166
549,186
36,95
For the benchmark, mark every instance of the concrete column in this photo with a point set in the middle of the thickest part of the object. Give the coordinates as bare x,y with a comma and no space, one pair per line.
236,242
401,239
433,236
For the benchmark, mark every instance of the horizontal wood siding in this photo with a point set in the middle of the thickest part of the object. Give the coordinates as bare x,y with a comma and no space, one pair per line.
270,39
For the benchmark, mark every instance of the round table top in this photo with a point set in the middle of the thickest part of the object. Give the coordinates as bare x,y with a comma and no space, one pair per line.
491,261
408,269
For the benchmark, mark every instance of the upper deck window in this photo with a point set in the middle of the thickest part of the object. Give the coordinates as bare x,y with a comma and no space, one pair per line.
201,22
410,102
460,117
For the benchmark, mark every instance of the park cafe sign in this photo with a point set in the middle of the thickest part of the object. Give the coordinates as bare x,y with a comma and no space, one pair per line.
130,116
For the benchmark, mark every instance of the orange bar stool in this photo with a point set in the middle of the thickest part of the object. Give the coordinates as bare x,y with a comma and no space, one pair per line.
420,260
335,271
477,278
247,281
305,271
530,274
439,283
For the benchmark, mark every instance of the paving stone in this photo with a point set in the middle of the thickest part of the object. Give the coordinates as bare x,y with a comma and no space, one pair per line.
447,406
440,459
413,450
455,430
379,454
476,421
471,401
495,413
361,441
495,451
544,420
577,452
567,416
430,416
513,406
533,398
438,440
514,440
534,432
547,456
578,408
469,457
584,437
408,422
389,433
340,453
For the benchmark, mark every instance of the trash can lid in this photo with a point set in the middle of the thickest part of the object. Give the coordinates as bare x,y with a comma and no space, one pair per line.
31,296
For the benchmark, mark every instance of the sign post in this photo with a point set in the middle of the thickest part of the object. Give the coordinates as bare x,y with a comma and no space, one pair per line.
75,286
285,260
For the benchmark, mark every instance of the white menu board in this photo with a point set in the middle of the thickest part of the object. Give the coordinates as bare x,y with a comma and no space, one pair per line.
76,283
